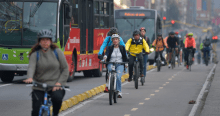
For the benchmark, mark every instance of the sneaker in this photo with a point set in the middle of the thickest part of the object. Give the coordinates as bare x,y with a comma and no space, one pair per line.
154,64
169,66
106,90
162,62
119,95
187,66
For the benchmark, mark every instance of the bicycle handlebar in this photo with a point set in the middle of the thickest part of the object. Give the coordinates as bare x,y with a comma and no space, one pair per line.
114,62
44,85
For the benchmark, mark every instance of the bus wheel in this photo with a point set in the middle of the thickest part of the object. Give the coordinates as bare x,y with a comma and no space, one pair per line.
7,76
73,68
87,73
98,72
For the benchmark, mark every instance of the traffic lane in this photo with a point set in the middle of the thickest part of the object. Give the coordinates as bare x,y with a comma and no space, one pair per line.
17,94
165,93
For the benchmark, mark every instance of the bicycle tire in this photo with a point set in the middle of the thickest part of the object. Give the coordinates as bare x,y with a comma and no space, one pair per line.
190,61
111,89
44,113
206,59
136,75
158,65
142,81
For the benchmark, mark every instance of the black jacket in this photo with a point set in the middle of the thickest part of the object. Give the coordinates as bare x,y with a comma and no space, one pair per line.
122,50
171,42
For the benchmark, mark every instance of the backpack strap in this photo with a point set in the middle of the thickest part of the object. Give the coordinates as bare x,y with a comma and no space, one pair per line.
55,52
38,55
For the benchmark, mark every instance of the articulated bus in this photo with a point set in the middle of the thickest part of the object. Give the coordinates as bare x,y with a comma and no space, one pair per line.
79,28
127,20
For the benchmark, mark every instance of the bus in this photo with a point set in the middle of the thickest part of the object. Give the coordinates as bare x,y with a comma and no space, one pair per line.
135,17
79,28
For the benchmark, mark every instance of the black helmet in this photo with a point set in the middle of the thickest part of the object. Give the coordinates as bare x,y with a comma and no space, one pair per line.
171,33
136,32
45,33
113,30
159,34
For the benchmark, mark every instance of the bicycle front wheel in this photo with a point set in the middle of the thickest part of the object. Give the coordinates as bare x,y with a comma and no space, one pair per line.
111,89
137,71
206,59
158,65
190,62
44,113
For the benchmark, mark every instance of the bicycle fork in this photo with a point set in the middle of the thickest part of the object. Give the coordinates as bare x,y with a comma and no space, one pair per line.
45,106
115,79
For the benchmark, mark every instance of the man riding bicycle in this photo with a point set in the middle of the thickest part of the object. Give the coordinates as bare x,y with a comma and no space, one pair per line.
206,47
108,42
145,56
172,42
190,43
116,53
136,45
159,43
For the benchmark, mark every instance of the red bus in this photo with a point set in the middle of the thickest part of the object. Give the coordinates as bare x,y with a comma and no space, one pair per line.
82,35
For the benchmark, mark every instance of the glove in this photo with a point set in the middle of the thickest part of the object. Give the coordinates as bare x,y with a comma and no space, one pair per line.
105,57
126,65
100,57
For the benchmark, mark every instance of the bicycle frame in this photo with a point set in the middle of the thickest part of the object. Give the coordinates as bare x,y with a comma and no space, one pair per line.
46,105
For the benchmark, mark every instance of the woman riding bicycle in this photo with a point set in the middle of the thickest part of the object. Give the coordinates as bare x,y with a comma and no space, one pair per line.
190,43
47,64
116,53
159,43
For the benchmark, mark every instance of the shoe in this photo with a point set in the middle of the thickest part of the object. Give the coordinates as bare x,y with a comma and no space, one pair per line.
162,62
154,64
187,66
169,66
106,90
193,59
129,80
119,95
142,75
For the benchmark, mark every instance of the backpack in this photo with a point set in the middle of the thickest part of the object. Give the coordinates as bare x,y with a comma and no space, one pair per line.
207,43
162,42
55,52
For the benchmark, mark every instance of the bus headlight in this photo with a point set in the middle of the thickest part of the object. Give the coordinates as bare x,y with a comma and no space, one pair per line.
152,49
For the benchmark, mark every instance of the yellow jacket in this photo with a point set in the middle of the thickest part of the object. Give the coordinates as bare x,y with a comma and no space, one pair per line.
136,48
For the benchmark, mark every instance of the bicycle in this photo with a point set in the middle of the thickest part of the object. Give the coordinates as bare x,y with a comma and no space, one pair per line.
206,58
45,107
173,58
190,61
137,71
112,82
158,61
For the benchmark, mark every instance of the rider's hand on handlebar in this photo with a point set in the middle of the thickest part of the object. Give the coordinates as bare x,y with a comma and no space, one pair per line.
126,65
29,80
57,88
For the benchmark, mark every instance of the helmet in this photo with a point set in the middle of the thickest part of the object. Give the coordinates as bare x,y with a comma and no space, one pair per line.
45,33
171,33
115,36
136,32
143,28
159,34
177,32
113,30
190,34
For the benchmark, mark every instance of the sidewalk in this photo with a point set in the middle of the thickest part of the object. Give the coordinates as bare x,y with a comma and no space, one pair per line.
212,103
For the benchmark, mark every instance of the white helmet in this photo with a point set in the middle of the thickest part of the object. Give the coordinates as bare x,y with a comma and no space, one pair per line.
115,36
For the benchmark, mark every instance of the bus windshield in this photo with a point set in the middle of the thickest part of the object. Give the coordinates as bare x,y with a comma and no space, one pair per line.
21,21
127,26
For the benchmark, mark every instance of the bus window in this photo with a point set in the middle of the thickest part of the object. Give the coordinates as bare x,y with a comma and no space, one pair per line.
107,22
96,7
75,10
101,8
96,21
106,8
102,23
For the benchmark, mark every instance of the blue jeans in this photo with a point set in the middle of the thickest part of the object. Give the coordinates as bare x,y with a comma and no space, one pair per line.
206,50
119,69
145,64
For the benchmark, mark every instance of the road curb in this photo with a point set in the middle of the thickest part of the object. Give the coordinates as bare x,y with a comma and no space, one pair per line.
90,93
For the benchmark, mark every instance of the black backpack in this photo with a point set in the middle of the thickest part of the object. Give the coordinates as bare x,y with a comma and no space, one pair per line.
207,43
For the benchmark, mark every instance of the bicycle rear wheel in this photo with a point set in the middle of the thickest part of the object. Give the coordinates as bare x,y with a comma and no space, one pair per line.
111,89
115,96
136,75
190,61
206,59
158,65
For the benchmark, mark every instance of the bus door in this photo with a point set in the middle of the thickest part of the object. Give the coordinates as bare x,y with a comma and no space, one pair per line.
82,23
89,20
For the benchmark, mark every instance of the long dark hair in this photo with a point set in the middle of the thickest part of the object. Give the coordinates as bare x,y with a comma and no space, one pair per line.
37,47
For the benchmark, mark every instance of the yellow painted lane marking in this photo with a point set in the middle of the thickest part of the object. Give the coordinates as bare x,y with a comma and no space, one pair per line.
167,82
147,98
152,94
141,103
157,90
160,87
127,115
134,109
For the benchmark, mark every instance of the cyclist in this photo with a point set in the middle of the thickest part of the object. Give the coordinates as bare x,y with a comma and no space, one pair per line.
206,47
108,42
190,43
178,39
48,69
181,49
172,42
159,43
136,45
116,53
145,56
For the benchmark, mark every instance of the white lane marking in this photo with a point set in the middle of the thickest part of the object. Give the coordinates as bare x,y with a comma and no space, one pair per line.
164,84
127,115
167,82
141,103
147,98
157,91
152,94
199,98
5,85
160,87
134,109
